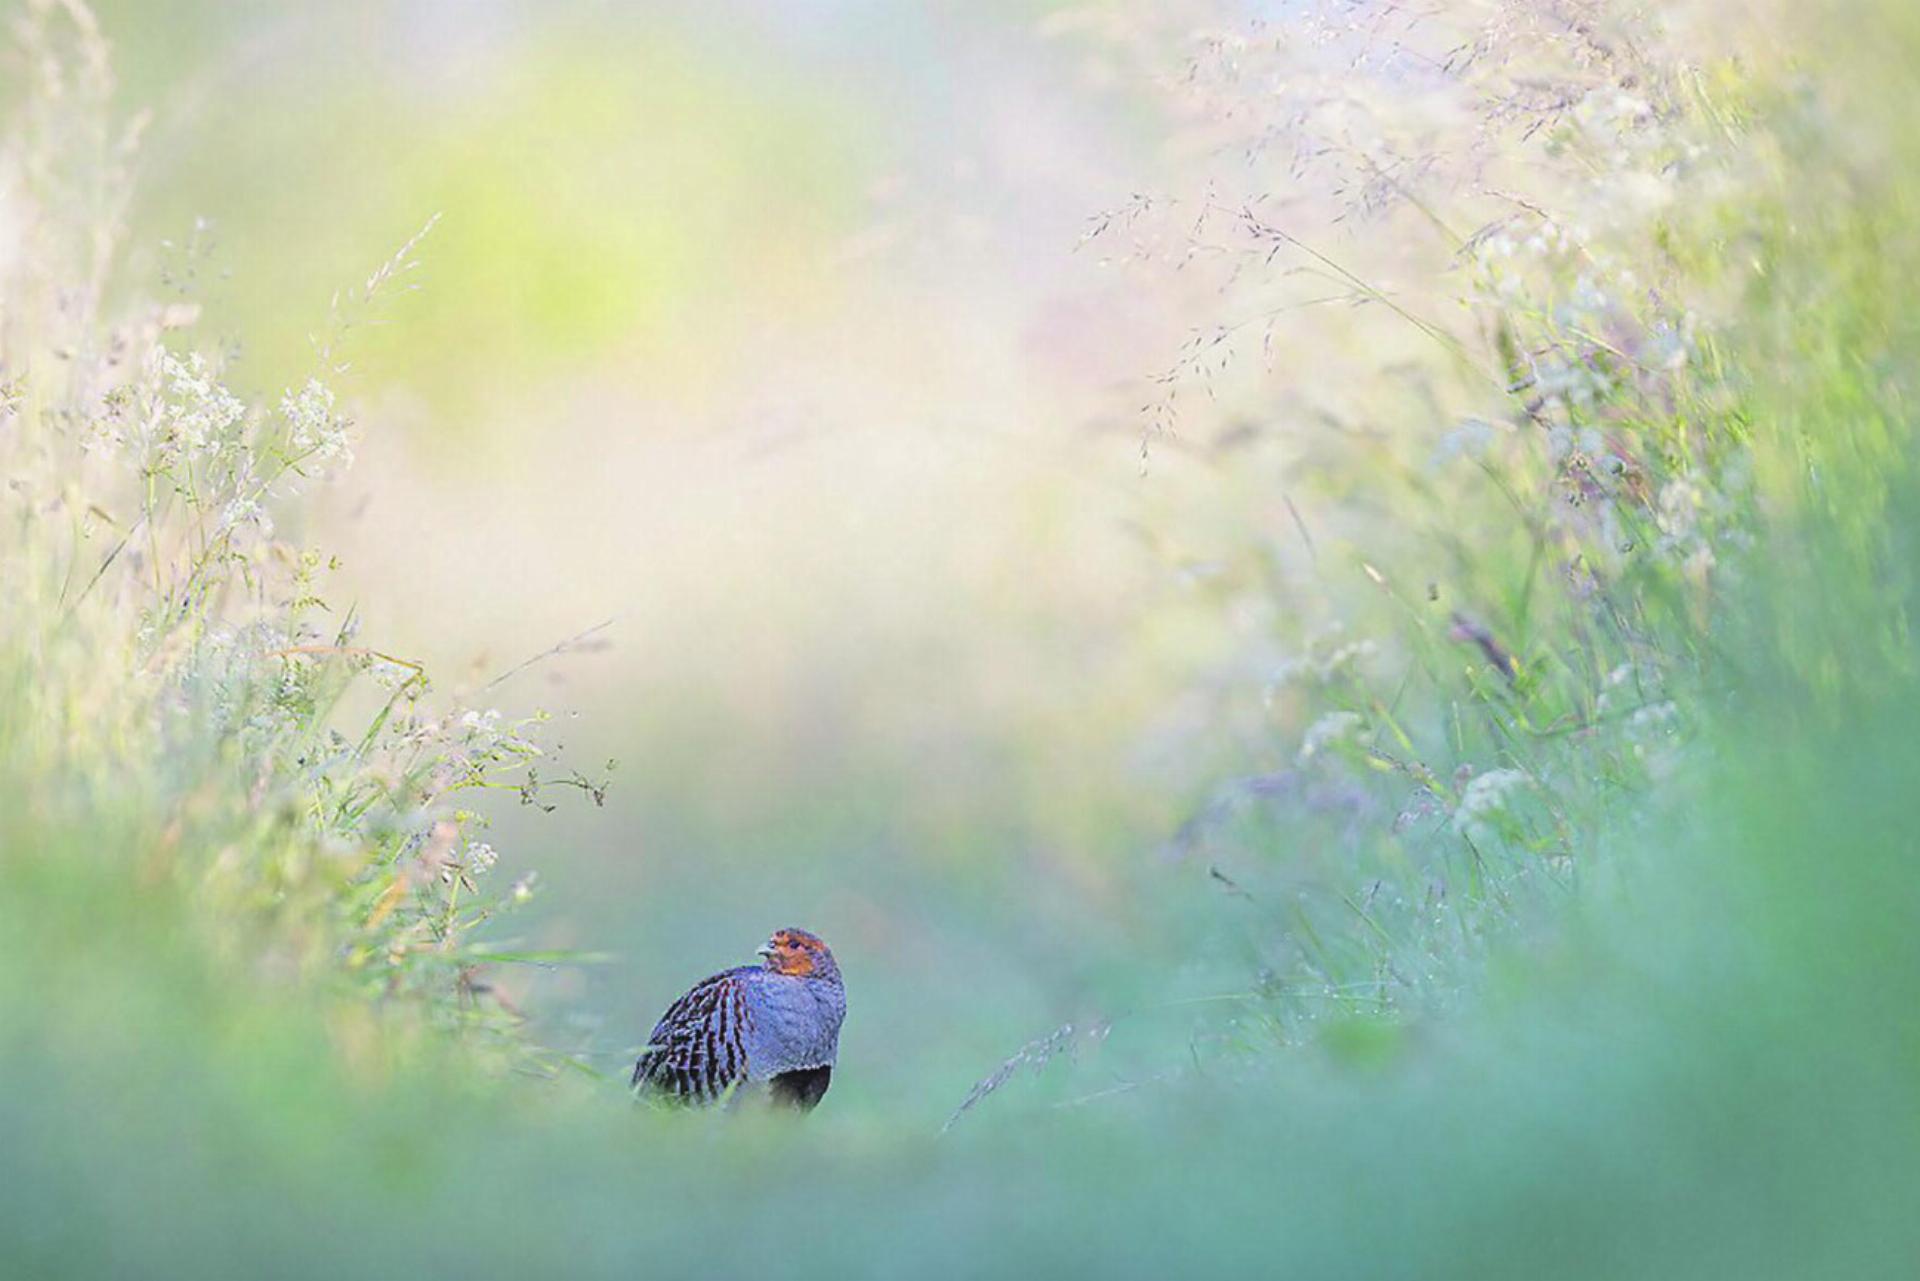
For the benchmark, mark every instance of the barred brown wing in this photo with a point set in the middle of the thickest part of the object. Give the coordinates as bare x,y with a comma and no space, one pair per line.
697,1050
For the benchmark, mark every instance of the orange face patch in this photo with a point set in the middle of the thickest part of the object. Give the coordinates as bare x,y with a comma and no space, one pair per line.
789,959
792,952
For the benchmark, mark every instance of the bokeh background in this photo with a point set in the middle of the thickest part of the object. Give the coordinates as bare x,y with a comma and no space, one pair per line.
1398,741
760,332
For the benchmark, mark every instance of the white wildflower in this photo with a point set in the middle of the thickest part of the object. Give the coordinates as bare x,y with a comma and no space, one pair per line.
1680,503
481,730
246,511
1347,656
391,675
1487,797
1620,678
195,415
1655,718
314,432
1334,727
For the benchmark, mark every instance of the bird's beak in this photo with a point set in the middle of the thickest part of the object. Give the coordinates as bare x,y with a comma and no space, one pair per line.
764,950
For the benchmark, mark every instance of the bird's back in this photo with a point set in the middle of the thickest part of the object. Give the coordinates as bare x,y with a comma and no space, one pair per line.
746,1026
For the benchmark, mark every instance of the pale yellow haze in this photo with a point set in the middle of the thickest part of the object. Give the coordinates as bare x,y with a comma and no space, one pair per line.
771,341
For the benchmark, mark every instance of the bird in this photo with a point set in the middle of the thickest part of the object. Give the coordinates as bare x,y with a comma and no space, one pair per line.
770,1030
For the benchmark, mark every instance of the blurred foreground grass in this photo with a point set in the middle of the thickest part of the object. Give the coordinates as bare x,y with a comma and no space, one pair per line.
1713,1075
1706,1067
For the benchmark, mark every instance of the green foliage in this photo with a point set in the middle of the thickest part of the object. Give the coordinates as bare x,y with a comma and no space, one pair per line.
1500,554
1576,857
167,649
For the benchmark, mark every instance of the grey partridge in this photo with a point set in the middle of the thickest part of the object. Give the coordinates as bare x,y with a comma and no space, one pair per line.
769,1030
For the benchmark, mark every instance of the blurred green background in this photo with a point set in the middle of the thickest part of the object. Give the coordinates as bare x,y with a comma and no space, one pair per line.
762,335
762,332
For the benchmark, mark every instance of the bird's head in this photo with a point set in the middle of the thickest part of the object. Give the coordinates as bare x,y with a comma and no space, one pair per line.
799,953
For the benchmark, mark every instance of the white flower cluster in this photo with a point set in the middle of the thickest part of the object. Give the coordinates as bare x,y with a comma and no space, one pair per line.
390,675
224,675
479,858
1486,799
1632,678
1324,667
1689,514
1332,728
1654,724
1680,503
246,511
183,423
482,729
192,419
315,434
480,736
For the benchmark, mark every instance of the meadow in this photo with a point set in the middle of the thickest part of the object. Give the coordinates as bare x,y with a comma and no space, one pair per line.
1357,724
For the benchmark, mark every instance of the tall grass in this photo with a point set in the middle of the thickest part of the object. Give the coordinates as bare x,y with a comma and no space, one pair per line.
170,653
1604,775
1459,369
